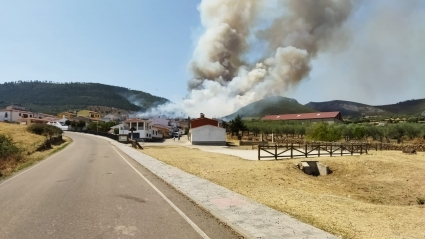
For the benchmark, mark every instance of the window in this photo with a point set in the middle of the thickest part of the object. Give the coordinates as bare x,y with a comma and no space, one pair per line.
19,114
5,115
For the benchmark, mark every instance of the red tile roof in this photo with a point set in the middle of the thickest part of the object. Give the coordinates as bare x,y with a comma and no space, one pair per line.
306,116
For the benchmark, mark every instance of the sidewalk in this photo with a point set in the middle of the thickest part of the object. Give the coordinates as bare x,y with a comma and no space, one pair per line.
247,217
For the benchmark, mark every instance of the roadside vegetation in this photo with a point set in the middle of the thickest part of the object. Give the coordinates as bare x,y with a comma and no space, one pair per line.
379,195
22,146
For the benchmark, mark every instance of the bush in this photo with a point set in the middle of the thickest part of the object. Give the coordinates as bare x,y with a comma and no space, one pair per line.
44,129
7,147
420,201
324,132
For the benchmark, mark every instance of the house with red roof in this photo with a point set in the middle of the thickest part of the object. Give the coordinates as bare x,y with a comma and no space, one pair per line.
326,117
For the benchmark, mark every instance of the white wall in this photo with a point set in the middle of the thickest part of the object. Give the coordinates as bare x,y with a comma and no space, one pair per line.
208,134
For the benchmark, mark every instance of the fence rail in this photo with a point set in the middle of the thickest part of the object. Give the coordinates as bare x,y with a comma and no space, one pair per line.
315,149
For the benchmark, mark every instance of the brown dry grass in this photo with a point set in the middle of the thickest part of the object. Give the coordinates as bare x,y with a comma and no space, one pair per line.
372,196
28,143
23,139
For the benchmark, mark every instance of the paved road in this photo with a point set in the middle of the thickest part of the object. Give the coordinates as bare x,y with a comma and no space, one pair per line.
89,191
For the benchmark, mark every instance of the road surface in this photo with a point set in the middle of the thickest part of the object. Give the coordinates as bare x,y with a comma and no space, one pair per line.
92,190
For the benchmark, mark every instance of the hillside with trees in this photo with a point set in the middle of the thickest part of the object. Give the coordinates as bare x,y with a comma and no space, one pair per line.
406,107
52,98
271,106
347,108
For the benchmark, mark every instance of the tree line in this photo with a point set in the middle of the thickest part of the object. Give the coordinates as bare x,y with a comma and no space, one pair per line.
326,132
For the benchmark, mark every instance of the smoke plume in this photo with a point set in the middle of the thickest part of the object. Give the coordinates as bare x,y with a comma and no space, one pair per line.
223,81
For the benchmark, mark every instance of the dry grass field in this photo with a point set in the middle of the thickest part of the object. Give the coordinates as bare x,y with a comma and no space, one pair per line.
28,143
23,139
369,196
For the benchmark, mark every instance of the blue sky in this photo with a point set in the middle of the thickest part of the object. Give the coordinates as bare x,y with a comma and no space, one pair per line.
146,45
143,45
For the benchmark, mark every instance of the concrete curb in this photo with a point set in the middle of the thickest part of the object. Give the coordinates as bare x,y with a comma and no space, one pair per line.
247,217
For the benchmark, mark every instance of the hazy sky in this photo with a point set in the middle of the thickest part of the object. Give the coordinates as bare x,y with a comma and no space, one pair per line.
146,45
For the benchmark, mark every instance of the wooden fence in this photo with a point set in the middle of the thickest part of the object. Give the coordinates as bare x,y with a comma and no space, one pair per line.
309,150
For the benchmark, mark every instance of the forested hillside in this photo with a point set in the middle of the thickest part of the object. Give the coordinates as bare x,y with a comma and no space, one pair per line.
53,98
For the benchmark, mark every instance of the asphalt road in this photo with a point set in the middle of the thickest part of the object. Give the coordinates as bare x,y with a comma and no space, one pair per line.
89,191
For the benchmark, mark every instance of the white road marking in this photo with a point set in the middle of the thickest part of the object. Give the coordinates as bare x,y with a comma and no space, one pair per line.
38,164
197,229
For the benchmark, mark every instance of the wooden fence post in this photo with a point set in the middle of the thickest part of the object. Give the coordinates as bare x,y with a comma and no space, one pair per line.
319,150
259,146
305,148
341,149
275,152
361,149
292,152
331,151
352,149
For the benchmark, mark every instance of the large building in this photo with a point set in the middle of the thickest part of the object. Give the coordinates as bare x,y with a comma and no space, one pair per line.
326,117
204,131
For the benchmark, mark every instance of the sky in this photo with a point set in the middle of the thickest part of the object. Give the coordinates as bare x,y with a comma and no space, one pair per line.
147,45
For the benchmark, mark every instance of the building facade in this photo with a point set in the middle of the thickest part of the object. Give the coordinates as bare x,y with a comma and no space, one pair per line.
205,131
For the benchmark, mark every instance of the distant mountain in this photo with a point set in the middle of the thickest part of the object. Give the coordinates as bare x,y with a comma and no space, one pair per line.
271,106
52,98
406,107
347,108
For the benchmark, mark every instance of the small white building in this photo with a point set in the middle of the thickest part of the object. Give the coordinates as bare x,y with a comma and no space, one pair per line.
204,131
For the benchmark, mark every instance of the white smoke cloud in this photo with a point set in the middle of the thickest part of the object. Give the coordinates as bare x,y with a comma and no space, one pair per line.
223,81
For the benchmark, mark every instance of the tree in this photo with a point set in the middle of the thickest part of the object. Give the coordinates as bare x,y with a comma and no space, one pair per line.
237,125
116,131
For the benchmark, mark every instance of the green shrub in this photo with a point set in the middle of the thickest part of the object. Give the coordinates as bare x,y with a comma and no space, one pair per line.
44,129
420,201
7,147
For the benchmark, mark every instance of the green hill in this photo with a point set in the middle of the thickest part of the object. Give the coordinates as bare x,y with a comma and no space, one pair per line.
409,107
347,108
271,106
52,98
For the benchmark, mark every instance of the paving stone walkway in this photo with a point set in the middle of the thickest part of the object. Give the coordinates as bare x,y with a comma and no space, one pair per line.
247,217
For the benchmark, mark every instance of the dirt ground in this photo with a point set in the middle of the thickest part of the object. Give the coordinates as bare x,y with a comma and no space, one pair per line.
369,196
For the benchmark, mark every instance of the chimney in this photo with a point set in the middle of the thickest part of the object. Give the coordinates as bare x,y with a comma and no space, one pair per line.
202,115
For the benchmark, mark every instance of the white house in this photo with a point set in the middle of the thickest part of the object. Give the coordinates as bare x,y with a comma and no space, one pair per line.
143,129
204,131
13,115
